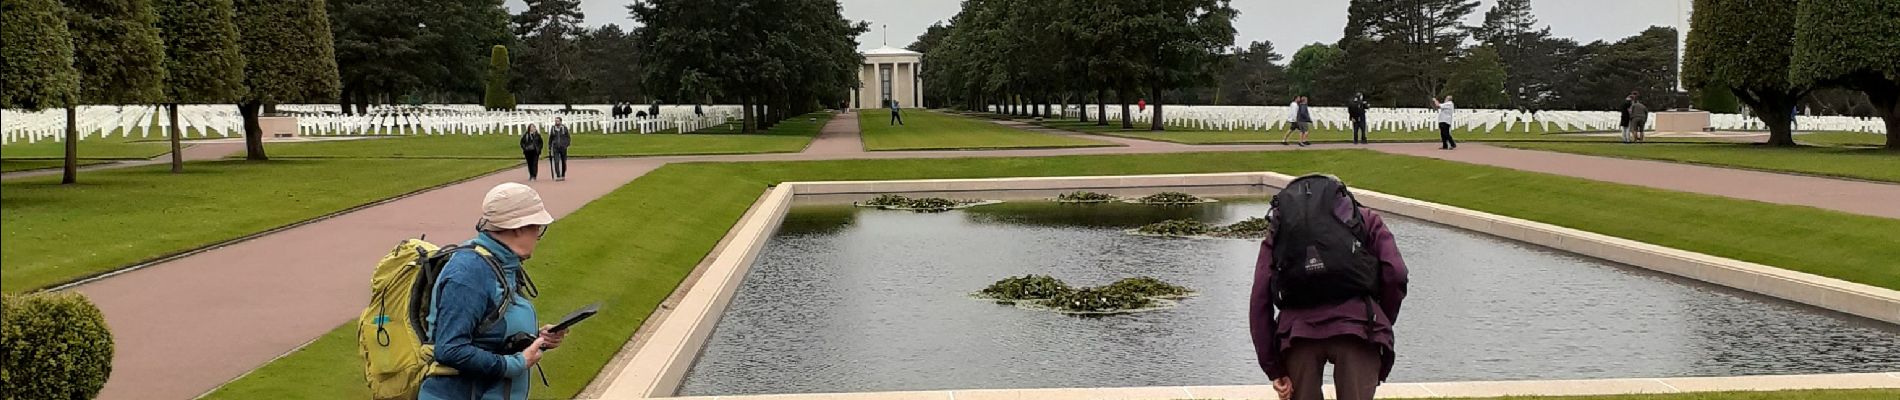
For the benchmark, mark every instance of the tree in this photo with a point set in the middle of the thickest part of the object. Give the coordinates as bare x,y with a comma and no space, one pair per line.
202,59
497,96
1478,80
550,64
1511,29
1309,66
1255,78
1850,43
1181,39
385,48
288,57
119,57
38,69
1716,99
609,63
794,55
1403,49
1746,46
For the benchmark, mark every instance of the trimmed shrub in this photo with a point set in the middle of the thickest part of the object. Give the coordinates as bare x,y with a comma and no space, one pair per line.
57,346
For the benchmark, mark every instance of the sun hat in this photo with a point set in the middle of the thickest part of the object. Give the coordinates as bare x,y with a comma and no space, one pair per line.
513,205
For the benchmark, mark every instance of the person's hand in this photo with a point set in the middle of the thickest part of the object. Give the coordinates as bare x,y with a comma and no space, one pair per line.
553,338
533,353
1284,387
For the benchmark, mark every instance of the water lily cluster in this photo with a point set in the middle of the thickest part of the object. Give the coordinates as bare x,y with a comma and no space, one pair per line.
1126,295
921,204
1251,228
1171,198
1085,197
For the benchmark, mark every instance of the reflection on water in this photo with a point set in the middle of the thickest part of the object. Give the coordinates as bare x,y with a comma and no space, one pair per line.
850,300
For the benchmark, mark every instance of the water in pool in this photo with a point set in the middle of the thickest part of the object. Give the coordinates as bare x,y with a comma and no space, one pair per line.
852,300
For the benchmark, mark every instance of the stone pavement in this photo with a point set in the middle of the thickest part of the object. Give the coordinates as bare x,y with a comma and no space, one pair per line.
186,326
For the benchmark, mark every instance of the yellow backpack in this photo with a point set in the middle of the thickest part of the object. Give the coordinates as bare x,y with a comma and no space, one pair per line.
393,332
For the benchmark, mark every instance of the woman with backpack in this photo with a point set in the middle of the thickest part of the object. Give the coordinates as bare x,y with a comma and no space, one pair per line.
531,149
1333,272
483,323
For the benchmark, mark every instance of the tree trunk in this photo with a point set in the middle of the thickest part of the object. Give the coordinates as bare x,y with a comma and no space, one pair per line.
1101,107
1776,110
343,100
1157,125
745,126
1082,99
1886,100
1128,121
362,101
253,132
178,158
72,146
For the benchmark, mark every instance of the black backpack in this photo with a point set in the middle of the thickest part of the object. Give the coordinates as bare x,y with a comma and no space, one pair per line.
1318,259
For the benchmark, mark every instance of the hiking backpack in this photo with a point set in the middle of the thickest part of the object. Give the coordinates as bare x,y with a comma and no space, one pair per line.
393,332
1318,258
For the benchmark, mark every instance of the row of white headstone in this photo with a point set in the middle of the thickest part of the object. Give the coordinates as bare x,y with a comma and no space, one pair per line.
201,121
1422,119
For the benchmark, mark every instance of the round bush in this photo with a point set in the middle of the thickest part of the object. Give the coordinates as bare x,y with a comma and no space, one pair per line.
57,347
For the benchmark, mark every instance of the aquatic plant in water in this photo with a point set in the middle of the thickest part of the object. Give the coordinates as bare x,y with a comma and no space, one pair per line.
1170,198
1097,300
1026,287
931,204
1148,287
1176,227
1250,228
1084,197
887,200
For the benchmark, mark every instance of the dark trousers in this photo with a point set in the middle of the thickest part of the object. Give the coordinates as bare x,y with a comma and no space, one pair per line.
1359,131
1444,137
557,163
896,119
1356,365
534,163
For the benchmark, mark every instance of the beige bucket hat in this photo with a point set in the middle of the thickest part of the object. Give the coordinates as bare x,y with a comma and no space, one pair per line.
513,205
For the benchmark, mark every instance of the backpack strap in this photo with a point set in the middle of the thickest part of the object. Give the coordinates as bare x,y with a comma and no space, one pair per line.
507,298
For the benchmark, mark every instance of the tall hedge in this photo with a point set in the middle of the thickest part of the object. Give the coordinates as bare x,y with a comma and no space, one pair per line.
288,58
1745,46
36,64
1853,44
202,60
497,96
56,346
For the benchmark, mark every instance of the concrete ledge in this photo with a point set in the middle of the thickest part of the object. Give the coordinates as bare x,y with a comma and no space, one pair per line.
657,368
1593,387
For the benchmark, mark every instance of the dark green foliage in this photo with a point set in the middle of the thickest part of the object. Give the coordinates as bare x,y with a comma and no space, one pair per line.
1311,66
1084,197
930,204
791,54
1478,79
1402,51
202,58
1746,45
288,51
1097,300
117,51
1250,228
57,346
1170,198
1851,44
610,66
36,64
1177,227
1254,78
1715,99
496,96
1026,287
887,200
1148,287
550,58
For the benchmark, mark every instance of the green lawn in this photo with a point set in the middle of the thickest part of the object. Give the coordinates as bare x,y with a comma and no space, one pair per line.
118,217
1187,135
112,147
930,130
789,136
686,208
11,165
1857,163
1842,139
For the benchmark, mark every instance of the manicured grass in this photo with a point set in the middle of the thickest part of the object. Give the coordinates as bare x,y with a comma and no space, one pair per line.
789,136
1865,394
1842,139
684,209
930,130
111,147
11,165
1857,163
1187,135
112,218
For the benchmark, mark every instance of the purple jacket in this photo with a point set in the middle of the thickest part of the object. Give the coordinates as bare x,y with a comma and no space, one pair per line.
1273,336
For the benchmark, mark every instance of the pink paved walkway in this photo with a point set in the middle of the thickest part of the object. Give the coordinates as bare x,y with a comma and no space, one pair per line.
186,326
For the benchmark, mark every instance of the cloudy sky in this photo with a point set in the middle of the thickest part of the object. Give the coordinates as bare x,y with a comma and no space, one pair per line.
1289,24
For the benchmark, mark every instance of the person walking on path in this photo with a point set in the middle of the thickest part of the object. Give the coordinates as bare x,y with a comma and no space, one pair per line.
531,149
1356,109
896,117
1639,117
558,140
1342,314
1446,110
485,365
1299,118
1624,118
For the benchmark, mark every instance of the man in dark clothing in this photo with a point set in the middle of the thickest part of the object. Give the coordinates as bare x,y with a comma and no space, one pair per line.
1356,109
1294,346
697,112
1624,115
531,149
896,118
654,110
558,140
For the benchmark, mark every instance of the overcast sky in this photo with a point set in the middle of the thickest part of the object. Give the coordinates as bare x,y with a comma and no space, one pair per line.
1289,24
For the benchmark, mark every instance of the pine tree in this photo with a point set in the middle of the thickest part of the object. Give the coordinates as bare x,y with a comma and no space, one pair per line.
497,96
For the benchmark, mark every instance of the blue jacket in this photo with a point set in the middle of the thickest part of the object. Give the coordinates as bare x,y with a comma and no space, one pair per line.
465,293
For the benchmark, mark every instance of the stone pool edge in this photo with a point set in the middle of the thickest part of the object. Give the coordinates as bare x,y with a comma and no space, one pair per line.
658,367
